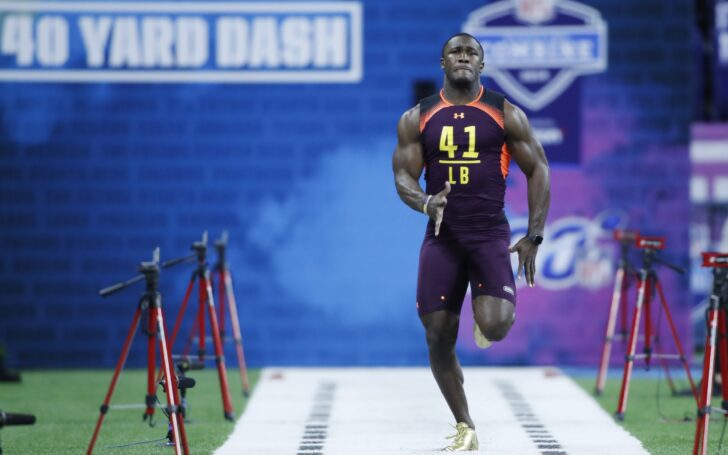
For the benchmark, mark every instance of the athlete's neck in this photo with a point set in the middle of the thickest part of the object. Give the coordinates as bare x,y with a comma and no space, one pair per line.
460,95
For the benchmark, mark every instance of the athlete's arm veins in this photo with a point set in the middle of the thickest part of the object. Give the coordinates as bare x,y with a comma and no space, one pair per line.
408,162
527,151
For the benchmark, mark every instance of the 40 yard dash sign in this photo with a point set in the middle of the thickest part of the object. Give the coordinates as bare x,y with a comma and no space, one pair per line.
194,42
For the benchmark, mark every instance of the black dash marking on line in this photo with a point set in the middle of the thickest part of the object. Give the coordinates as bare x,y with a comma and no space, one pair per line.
314,433
540,436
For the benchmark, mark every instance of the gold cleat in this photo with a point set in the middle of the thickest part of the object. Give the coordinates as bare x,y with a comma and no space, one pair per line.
464,440
480,340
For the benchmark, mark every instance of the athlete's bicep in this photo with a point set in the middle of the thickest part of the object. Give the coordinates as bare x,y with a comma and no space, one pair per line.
523,146
407,158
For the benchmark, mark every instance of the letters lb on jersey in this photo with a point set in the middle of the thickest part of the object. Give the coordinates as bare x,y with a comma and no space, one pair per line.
534,49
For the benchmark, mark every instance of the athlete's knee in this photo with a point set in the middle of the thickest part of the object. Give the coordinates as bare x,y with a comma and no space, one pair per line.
496,327
495,330
494,316
440,341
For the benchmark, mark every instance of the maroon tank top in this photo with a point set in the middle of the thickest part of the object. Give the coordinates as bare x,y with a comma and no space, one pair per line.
465,145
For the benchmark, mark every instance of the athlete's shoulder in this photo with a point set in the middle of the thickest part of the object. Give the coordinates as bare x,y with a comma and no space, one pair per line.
429,107
409,123
428,103
494,98
516,122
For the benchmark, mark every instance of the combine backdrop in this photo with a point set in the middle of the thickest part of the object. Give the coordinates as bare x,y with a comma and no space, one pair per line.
126,126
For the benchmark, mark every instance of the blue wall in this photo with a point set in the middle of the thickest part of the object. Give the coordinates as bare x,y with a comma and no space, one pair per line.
324,255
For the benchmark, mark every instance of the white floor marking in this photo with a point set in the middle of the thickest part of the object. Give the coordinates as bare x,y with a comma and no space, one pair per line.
399,411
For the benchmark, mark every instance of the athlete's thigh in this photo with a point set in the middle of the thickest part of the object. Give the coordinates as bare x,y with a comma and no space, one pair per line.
489,268
442,279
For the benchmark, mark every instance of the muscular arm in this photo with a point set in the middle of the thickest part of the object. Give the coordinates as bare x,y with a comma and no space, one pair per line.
407,162
528,153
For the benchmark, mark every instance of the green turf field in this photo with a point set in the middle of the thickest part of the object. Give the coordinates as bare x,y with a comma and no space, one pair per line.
665,424
67,403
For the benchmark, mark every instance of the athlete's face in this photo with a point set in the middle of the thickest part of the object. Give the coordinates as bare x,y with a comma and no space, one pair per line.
462,60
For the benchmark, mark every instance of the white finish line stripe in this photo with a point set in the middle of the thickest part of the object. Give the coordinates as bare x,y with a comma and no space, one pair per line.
399,411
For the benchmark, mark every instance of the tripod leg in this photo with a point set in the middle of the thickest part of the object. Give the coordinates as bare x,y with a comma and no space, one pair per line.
722,346
181,314
119,365
219,356
632,346
237,334
201,318
609,336
180,317
151,398
623,310
222,297
176,421
647,349
683,359
700,445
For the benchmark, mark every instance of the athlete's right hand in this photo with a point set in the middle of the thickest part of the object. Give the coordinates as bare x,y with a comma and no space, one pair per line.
436,207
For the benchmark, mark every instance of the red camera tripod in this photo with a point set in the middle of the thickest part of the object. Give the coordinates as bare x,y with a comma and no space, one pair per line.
150,304
225,293
717,333
618,306
647,284
205,299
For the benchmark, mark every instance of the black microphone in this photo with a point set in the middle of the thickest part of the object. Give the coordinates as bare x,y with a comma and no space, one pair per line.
182,382
186,383
8,419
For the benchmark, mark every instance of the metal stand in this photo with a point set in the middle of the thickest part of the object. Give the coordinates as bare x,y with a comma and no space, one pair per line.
647,283
202,274
716,336
619,305
150,305
225,293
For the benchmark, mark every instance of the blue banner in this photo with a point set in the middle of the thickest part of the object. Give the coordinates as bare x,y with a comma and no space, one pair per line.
130,125
197,42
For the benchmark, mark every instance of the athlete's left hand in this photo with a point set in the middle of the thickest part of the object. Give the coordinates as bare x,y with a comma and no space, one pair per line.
526,250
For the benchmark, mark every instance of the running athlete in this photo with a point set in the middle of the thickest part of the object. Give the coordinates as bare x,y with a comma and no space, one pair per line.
465,137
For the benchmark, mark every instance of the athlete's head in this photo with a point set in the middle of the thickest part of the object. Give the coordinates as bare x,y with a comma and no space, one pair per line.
462,59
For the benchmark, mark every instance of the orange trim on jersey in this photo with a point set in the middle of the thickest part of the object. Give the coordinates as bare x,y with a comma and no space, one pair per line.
434,110
494,113
472,103
505,161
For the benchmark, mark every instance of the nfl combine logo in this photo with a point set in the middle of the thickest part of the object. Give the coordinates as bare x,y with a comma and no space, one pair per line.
534,49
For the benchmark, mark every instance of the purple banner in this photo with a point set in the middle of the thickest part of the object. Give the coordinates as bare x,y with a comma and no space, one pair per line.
612,166
720,62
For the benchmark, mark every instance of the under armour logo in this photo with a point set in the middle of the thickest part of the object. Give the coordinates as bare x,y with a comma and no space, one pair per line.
460,115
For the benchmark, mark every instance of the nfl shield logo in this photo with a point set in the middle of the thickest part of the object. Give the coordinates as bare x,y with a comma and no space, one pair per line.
535,11
534,49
